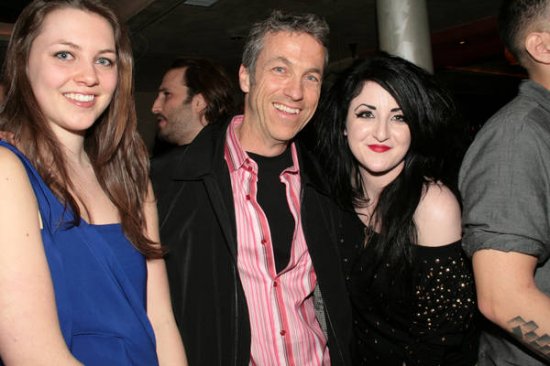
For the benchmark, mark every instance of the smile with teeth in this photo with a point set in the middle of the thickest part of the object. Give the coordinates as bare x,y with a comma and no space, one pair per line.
286,109
80,97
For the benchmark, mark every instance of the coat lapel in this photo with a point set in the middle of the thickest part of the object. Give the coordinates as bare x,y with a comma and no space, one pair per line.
204,161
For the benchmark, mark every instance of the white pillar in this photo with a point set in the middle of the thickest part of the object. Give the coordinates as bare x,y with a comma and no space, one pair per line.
403,30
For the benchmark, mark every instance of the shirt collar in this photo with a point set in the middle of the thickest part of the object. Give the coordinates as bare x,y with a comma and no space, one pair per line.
536,91
237,158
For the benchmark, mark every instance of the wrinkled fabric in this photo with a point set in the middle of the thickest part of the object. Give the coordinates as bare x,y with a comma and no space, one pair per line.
99,281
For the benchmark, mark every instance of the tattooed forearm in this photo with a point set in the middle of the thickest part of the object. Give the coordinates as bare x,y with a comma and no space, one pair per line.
526,332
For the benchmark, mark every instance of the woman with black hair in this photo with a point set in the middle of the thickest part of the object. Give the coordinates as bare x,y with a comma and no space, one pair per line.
385,137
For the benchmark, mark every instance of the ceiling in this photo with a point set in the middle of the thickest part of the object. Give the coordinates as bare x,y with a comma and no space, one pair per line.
466,49
463,31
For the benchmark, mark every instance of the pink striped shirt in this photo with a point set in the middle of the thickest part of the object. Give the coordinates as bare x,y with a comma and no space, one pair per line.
284,328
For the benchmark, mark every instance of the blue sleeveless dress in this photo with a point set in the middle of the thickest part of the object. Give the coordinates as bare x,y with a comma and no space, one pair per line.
99,281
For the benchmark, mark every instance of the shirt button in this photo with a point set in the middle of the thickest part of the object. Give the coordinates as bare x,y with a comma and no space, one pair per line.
264,242
283,332
248,197
275,284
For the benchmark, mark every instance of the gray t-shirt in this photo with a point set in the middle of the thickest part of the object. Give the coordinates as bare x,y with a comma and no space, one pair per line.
505,184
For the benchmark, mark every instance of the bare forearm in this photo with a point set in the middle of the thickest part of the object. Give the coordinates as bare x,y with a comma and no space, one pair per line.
508,296
527,317
531,334
170,349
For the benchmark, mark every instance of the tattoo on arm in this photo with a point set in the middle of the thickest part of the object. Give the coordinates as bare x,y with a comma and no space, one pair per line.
525,331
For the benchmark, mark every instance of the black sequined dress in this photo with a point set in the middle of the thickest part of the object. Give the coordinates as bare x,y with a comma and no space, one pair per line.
426,321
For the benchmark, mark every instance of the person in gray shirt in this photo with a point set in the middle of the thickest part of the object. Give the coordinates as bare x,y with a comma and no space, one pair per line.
505,184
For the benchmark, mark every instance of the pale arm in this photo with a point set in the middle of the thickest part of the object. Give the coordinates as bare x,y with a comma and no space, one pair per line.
29,327
437,217
508,296
442,269
170,349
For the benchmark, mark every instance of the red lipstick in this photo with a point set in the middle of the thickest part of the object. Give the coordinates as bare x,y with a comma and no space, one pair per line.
379,148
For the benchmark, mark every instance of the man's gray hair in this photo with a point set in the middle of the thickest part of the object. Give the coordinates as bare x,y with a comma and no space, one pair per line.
278,21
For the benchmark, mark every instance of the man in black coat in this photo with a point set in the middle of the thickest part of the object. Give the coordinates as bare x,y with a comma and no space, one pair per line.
251,231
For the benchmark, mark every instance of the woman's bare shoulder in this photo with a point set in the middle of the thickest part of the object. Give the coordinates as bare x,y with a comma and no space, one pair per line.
438,216
11,167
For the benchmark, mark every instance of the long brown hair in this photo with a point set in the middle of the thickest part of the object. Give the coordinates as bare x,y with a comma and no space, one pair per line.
115,149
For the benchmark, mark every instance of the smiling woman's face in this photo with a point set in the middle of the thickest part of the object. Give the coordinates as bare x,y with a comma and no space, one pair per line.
377,133
72,69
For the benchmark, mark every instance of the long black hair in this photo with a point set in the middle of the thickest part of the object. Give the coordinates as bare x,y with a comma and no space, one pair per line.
430,114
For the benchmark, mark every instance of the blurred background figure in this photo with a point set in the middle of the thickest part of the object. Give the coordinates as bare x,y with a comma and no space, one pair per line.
194,92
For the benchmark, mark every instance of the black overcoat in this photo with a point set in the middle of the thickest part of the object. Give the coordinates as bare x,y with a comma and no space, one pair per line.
197,224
